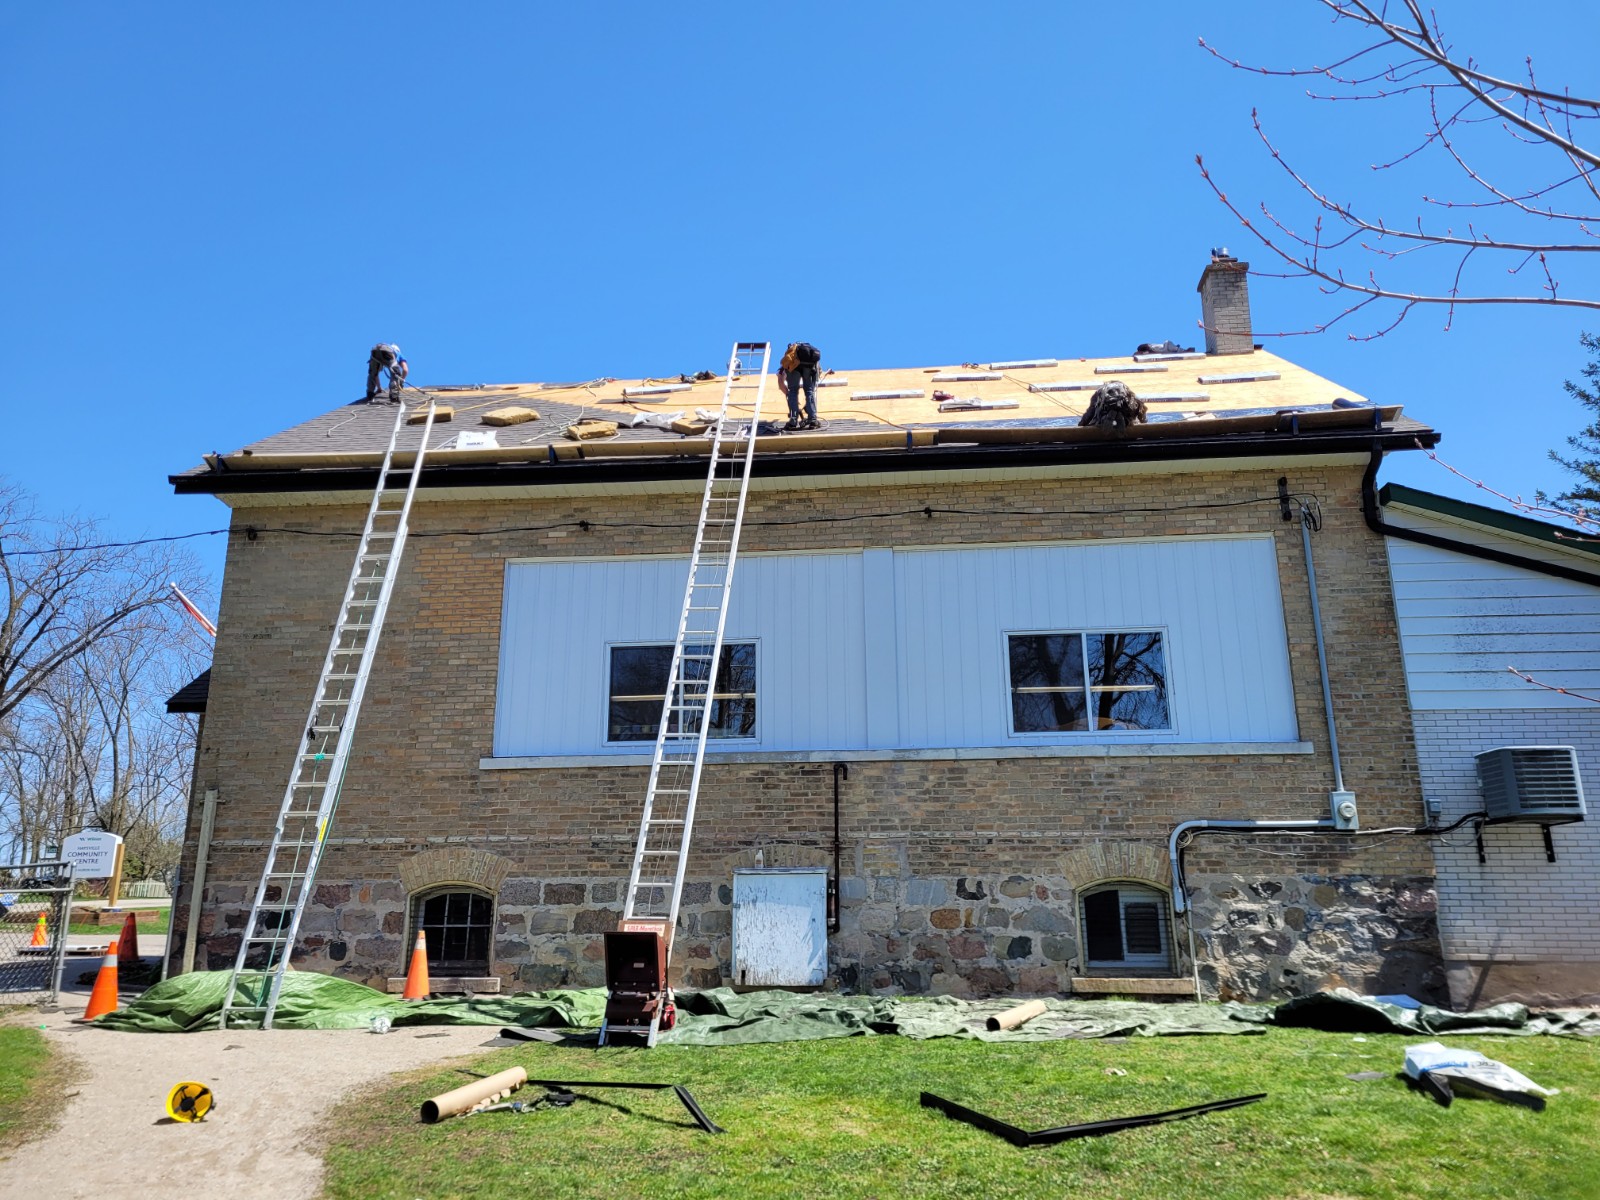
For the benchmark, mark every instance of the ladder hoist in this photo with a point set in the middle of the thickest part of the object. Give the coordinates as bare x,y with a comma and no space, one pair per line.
638,954
320,760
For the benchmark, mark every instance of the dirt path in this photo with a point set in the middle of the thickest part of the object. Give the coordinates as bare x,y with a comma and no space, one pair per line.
273,1089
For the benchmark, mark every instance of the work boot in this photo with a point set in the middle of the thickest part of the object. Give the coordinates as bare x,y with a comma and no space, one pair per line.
793,425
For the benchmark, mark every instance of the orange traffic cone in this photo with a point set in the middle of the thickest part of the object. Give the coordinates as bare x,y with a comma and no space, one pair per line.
128,944
104,997
417,985
41,932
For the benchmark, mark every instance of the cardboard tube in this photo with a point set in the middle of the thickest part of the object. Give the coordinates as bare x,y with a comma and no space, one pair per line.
482,1091
1012,1017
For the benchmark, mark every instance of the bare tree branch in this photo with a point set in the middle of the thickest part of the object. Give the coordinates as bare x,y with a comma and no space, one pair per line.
1461,97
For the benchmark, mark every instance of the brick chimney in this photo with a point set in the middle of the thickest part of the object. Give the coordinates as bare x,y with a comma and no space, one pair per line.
1225,304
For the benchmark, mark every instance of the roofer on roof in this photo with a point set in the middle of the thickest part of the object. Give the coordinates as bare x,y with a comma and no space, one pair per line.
386,356
799,368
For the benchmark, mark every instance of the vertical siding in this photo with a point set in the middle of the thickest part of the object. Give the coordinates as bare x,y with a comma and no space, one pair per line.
1216,601
560,617
887,649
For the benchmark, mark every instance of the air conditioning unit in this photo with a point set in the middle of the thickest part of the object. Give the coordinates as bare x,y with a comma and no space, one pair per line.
1531,783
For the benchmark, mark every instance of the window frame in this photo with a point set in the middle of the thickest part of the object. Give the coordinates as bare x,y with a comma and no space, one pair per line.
712,739
1084,634
417,903
1151,965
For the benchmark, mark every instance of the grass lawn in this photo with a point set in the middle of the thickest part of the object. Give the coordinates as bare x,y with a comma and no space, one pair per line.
29,1085
161,924
838,1119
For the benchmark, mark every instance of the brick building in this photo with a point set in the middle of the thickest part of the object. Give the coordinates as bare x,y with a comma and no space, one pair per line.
1498,613
1012,661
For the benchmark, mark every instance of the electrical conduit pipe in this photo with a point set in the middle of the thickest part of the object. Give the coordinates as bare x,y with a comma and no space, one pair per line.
1180,899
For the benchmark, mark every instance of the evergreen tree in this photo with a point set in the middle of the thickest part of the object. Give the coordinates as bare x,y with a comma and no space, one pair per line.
1581,500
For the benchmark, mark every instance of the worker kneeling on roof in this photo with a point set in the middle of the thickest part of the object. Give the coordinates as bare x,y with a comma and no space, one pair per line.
386,356
799,369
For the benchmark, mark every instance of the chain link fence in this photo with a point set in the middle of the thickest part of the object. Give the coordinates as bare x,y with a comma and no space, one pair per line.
31,952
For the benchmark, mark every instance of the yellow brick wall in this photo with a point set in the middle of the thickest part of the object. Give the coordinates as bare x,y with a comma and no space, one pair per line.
414,784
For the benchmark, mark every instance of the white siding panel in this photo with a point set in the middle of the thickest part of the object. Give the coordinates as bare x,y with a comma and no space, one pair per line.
561,617
1465,620
1216,601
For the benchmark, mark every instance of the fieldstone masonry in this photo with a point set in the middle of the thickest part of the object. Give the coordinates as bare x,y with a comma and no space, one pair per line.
958,875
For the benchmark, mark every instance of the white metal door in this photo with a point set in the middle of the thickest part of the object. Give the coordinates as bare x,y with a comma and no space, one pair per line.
780,927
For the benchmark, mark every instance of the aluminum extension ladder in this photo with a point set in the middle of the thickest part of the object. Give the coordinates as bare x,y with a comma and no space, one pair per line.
655,882
312,795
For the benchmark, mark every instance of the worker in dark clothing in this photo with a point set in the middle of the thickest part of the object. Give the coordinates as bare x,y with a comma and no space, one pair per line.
386,356
799,369
1114,406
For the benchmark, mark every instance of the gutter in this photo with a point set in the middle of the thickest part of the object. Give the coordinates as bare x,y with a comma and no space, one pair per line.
1372,510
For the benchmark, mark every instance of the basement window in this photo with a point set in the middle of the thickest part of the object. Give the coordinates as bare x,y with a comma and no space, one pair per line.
1126,929
1091,681
458,924
638,688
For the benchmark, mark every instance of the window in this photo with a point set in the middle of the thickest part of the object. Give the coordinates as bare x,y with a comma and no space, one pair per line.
458,925
1074,682
639,688
1125,928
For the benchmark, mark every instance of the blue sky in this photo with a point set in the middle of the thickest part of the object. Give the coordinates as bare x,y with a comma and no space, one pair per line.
212,211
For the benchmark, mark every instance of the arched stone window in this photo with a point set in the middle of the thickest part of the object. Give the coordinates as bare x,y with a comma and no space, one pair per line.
458,923
1127,929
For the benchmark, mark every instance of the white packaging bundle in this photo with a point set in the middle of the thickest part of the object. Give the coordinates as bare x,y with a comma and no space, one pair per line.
1472,1070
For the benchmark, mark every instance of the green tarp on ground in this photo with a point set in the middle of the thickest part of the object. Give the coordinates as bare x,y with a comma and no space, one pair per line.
718,1017
310,1001
723,1017
1344,1011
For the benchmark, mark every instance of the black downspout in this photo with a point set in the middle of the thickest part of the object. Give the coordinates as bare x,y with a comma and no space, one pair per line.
833,883
1373,512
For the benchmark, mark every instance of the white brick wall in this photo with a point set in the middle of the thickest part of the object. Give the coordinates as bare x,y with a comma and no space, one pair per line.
1517,907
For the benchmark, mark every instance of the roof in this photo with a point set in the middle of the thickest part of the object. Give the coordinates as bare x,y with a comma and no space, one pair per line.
1558,537
1199,405
192,696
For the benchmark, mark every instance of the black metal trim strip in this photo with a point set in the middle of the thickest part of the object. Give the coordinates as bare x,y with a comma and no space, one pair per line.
1063,1133
683,1094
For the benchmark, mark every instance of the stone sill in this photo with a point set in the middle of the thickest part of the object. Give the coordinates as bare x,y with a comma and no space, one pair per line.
1100,985
954,754
448,984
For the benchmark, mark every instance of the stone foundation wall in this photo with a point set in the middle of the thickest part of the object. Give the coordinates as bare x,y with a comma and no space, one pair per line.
1257,937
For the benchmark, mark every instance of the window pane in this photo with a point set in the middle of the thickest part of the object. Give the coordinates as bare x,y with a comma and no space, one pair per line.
1047,693
458,926
639,676
1128,681
1102,921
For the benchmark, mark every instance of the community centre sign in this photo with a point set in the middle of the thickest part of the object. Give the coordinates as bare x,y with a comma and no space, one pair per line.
92,853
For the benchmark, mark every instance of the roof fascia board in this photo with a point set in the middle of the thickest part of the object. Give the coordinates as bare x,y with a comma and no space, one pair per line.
1400,498
791,483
